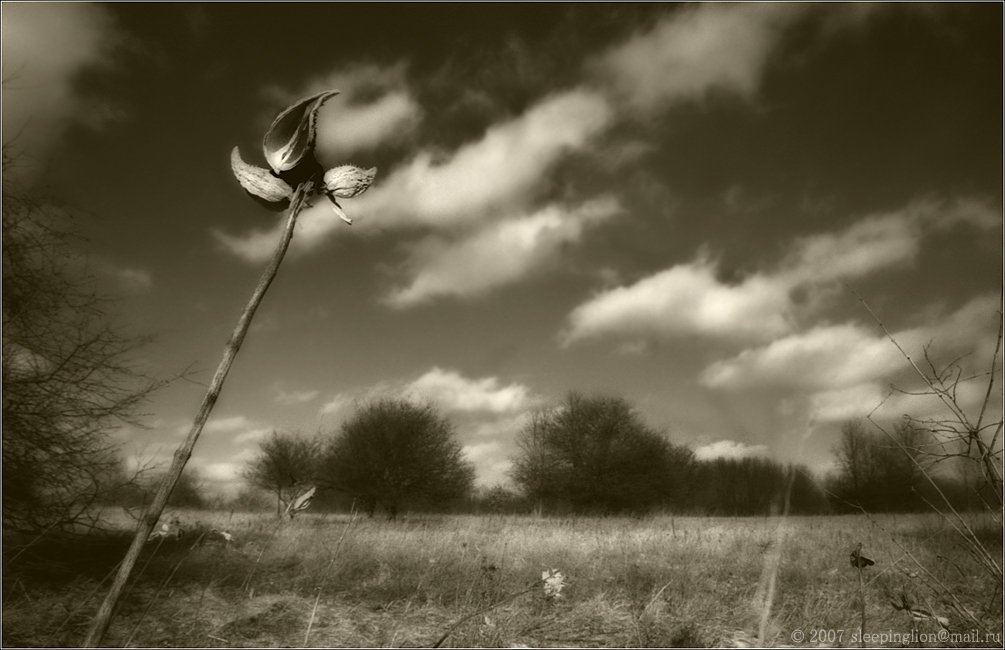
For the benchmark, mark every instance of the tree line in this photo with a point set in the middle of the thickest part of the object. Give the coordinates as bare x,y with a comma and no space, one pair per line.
587,455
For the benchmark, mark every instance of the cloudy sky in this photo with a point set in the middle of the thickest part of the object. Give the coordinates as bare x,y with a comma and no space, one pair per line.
676,204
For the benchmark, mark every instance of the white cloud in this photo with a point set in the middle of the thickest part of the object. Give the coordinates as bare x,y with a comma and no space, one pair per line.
824,357
292,398
729,449
251,435
499,171
850,403
45,45
689,299
355,128
337,404
694,50
373,107
491,461
501,253
454,392
830,357
227,425
683,300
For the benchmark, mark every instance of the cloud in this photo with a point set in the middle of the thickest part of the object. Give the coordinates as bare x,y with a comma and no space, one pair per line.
499,254
452,391
227,425
491,461
363,127
135,280
844,356
45,46
374,107
695,50
684,300
850,403
251,435
826,356
690,300
501,170
291,398
336,404
729,449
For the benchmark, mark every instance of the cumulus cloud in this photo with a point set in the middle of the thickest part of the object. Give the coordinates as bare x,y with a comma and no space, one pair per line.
695,50
292,398
683,300
850,403
45,46
452,391
501,170
689,299
499,254
729,449
831,357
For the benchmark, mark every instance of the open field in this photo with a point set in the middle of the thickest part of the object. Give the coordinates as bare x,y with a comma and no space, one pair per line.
651,582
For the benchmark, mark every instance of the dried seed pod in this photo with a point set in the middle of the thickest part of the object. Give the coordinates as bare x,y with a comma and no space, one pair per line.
347,181
289,142
260,183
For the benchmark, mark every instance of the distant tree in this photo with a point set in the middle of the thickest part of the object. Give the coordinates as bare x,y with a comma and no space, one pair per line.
396,454
67,378
755,486
189,491
285,465
877,473
596,454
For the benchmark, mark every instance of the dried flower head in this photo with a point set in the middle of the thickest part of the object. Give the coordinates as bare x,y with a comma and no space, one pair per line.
554,583
289,151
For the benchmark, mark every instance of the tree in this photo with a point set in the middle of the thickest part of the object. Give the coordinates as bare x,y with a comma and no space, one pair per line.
596,454
285,465
397,454
67,380
878,473
755,486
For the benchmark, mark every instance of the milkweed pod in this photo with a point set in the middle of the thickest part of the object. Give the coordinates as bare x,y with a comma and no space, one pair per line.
259,183
347,181
303,501
290,139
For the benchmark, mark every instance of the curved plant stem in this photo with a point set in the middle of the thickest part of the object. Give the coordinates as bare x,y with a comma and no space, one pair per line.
103,618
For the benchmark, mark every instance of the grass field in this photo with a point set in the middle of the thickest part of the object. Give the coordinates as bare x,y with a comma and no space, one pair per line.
333,580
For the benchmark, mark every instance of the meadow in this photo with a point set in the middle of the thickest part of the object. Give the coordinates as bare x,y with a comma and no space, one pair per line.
337,580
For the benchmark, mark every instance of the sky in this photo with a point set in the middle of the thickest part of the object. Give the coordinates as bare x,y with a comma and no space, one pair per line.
682,205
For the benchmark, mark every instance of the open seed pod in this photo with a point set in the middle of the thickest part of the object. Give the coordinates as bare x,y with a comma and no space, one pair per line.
289,142
271,191
345,182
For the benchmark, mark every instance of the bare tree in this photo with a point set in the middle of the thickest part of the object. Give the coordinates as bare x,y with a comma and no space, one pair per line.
67,377
595,453
397,454
286,463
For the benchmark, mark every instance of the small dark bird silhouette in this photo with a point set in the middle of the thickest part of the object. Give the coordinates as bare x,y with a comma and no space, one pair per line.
858,560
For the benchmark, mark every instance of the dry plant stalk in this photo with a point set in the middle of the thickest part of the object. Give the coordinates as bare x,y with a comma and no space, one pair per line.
147,522
289,150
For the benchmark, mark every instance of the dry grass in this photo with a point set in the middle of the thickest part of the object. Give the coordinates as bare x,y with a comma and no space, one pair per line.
656,582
